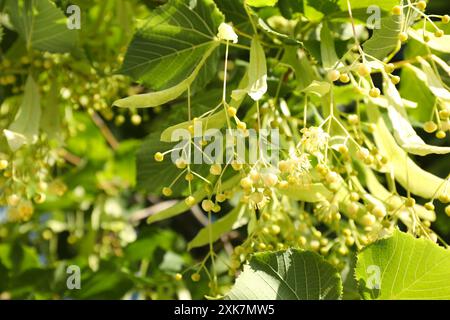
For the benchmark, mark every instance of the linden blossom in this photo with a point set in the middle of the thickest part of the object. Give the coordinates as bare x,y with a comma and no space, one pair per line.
235,144
186,310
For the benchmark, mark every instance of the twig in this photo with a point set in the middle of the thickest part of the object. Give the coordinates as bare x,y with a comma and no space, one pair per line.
105,131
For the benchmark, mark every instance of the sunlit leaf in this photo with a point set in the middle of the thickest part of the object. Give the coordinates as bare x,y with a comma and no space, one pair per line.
402,267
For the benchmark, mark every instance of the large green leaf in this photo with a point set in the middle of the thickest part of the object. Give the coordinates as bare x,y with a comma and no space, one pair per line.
42,25
155,99
175,40
287,275
402,267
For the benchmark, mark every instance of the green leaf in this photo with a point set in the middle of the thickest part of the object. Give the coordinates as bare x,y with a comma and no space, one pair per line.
384,40
42,25
155,99
407,137
261,3
152,176
287,275
283,37
225,224
25,128
299,62
327,48
234,12
177,40
315,10
402,267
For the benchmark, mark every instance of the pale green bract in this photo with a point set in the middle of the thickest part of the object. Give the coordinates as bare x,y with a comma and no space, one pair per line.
402,267
401,166
287,275
25,128
440,44
327,47
257,71
407,137
261,3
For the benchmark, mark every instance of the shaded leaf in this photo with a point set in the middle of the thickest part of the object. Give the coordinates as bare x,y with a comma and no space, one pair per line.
41,25
225,224
25,128
287,275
